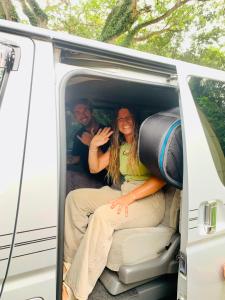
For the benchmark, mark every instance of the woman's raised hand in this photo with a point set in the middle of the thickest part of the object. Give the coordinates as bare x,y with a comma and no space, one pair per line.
101,137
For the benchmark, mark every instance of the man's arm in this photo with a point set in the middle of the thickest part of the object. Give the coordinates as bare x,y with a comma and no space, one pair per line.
73,160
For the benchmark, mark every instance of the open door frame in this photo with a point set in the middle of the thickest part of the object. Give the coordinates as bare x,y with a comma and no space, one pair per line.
202,254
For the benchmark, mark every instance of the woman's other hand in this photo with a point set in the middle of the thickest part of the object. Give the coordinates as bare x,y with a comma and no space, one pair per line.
101,137
122,203
149,187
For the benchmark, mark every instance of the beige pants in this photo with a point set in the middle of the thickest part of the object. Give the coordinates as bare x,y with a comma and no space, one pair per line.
88,240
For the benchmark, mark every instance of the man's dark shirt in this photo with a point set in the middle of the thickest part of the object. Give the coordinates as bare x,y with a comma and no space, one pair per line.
81,150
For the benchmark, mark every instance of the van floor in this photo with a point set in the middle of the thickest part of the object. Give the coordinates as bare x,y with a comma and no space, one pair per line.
100,293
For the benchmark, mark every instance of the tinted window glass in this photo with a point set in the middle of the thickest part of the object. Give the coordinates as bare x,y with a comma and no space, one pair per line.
209,96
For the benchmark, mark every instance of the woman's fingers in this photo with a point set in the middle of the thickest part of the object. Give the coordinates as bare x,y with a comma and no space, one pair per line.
113,203
99,131
119,209
110,133
120,205
101,137
106,132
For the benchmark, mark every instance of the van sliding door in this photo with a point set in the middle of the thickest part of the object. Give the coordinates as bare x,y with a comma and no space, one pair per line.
16,62
202,226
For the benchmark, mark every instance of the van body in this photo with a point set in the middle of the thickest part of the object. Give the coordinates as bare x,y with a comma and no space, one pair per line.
35,68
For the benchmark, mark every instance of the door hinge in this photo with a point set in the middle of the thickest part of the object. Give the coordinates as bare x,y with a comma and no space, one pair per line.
172,78
182,263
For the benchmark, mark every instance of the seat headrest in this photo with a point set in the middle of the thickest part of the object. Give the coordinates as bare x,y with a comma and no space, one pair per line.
160,146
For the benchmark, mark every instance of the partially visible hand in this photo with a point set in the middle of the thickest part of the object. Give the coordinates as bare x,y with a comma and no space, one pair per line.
101,137
85,138
69,160
122,203
72,159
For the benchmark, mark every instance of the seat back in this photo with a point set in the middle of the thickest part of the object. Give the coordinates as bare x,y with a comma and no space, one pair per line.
172,201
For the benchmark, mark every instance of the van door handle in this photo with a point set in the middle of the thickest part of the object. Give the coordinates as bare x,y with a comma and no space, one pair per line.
210,215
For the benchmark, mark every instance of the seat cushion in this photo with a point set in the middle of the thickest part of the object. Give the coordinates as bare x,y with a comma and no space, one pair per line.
136,245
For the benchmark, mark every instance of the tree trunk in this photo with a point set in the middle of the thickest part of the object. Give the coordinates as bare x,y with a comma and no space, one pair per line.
40,15
2,13
28,12
9,10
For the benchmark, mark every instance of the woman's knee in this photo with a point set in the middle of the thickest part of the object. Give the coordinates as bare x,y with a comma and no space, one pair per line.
107,216
103,213
76,198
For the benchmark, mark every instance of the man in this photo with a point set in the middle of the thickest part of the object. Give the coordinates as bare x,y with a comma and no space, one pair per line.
79,175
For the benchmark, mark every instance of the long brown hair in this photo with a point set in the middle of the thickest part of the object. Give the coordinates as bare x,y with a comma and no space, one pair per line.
117,140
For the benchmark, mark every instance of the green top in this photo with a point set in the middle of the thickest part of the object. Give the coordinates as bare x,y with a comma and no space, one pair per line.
141,173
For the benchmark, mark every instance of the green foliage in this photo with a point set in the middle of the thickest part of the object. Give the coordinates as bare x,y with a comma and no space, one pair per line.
119,20
30,8
13,14
38,11
2,13
86,18
104,116
210,96
193,31
211,57
157,19
8,11
29,13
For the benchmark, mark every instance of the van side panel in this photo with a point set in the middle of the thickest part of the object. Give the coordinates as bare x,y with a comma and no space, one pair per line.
203,252
33,264
13,122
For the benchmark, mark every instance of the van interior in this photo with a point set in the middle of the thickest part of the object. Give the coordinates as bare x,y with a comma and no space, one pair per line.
149,268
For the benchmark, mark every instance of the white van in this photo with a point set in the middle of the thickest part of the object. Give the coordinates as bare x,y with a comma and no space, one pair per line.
37,67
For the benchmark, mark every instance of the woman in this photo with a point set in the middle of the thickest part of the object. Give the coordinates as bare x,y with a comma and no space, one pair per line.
92,215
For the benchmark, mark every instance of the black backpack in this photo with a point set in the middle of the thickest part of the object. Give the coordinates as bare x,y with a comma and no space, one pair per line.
160,146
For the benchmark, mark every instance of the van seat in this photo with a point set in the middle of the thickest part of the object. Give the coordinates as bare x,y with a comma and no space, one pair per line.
136,245
132,246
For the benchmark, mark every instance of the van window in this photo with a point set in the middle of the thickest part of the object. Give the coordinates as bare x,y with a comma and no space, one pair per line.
209,96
